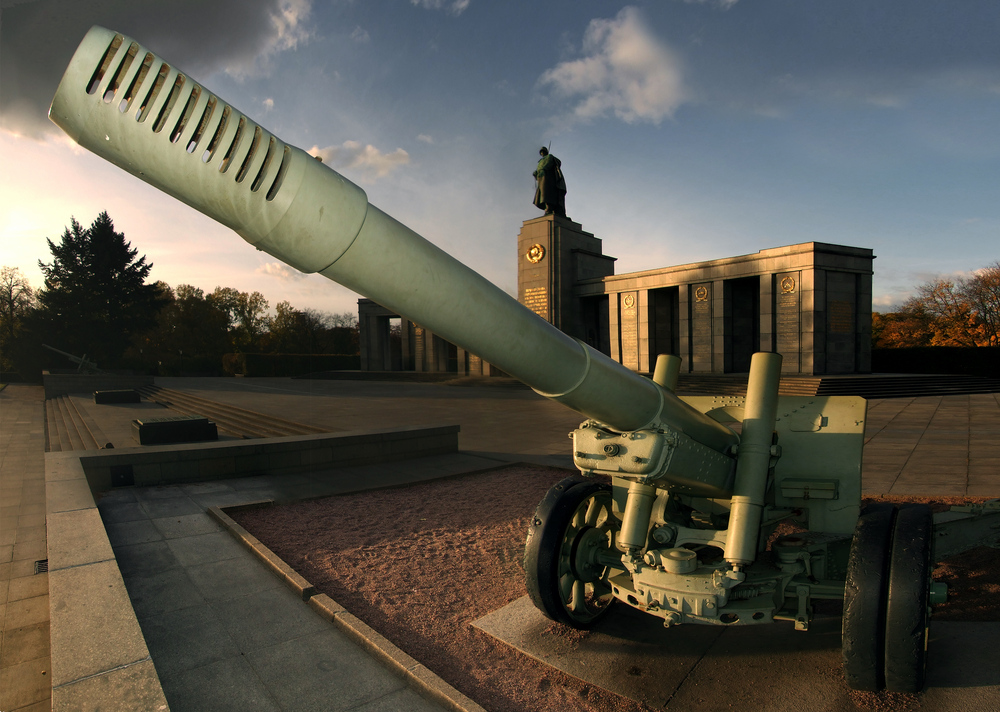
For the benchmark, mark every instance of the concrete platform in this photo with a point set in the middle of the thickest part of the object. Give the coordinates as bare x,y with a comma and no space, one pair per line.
766,667
160,543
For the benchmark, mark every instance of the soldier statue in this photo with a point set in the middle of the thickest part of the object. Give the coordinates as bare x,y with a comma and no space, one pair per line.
550,190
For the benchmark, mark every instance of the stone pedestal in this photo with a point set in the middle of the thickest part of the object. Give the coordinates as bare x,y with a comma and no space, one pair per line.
553,255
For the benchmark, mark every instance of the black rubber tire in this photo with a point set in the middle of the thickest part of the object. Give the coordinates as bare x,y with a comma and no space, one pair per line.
907,616
549,553
863,634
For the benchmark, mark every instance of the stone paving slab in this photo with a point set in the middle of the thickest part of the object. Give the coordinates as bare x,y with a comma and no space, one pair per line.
498,425
712,668
25,666
212,614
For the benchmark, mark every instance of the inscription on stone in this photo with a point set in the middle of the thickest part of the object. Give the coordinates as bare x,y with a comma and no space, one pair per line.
786,317
537,300
841,317
630,331
701,316
418,333
787,308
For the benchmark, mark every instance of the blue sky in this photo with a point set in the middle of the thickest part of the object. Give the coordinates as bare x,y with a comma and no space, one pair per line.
687,130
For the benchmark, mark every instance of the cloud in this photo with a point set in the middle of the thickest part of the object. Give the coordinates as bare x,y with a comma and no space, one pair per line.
281,271
453,7
371,163
626,71
724,4
425,138
38,38
360,35
268,104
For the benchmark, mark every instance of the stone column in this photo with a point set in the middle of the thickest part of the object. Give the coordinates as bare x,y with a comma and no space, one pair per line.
812,325
767,320
644,335
718,326
701,326
614,326
553,253
684,342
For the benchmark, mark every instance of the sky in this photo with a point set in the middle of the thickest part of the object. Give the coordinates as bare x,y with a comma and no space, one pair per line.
688,130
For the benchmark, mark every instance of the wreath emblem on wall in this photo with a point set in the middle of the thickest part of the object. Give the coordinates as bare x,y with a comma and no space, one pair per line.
535,254
701,294
787,285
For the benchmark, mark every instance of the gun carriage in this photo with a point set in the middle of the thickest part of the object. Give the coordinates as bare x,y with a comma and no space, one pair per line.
711,510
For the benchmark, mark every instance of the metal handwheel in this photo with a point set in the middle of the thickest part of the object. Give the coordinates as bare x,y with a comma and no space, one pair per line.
863,643
572,527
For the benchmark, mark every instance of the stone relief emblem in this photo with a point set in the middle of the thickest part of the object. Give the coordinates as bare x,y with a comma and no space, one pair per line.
787,285
701,293
629,301
535,254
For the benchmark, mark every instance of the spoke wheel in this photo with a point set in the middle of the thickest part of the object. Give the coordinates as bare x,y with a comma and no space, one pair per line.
573,523
863,642
907,606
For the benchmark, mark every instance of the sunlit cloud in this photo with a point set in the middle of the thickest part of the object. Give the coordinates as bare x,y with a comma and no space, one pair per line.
425,138
626,71
367,160
268,104
454,7
280,271
289,29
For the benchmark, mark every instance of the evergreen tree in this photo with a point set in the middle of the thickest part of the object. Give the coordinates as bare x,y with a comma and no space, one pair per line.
95,297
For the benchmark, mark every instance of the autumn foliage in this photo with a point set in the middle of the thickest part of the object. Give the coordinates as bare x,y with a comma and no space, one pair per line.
944,312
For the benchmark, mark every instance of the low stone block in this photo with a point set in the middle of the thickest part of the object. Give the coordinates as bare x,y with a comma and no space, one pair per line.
119,396
93,626
134,687
76,538
167,431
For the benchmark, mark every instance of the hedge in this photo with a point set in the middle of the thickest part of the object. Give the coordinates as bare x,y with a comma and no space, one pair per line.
260,365
955,360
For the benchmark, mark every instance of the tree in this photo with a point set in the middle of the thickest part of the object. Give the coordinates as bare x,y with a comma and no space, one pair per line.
294,331
17,299
945,312
191,330
951,316
909,327
95,298
248,319
983,293
310,331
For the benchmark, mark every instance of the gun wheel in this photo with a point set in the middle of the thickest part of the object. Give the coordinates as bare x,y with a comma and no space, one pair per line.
907,605
573,524
863,641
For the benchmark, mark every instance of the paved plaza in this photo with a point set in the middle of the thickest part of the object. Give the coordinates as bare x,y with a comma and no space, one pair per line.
223,632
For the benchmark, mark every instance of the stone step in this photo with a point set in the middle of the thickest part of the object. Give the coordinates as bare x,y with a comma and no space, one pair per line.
892,386
232,419
72,439
53,427
87,425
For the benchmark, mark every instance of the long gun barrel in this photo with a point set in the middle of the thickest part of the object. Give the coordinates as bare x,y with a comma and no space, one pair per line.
132,108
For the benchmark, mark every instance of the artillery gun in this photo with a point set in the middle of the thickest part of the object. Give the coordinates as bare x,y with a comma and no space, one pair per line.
719,511
83,364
